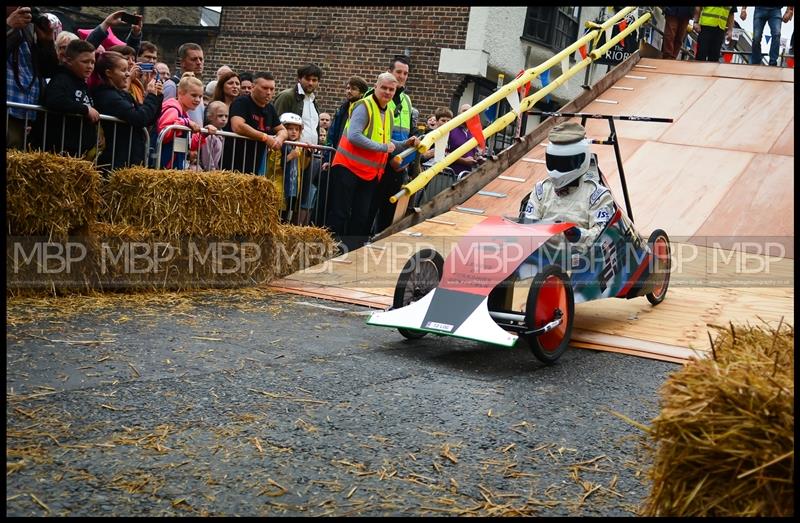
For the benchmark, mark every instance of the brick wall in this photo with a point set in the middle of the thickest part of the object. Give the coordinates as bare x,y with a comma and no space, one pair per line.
178,15
343,41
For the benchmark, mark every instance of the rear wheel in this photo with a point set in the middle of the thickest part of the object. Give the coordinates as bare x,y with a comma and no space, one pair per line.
549,298
662,263
420,275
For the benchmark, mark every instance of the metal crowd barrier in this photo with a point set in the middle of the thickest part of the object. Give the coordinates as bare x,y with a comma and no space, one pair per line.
306,193
64,116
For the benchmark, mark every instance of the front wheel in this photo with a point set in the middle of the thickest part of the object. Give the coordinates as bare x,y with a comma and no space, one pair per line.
662,263
420,275
549,298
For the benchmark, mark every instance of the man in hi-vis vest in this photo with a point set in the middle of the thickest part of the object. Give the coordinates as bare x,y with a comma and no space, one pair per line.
712,25
382,210
359,162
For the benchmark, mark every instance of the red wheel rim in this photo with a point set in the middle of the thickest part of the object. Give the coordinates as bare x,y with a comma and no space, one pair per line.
661,253
552,295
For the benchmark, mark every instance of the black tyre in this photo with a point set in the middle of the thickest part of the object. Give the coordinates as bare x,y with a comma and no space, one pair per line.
662,263
420,275
550,292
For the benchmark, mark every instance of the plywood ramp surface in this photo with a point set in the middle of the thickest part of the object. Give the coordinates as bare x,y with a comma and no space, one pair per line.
719,180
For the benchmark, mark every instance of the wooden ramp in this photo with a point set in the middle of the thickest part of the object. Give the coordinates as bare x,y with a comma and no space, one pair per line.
719,180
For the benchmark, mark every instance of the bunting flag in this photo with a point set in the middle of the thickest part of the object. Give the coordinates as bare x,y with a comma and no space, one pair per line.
545,77
513,101
608,33
622,26
476,129
524,89
584,51
440,149
564,65
767,37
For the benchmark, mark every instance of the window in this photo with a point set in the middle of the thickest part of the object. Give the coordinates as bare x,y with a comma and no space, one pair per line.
553,27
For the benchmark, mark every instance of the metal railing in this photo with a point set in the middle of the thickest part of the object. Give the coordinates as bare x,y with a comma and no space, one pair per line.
46,113
744,57
305,190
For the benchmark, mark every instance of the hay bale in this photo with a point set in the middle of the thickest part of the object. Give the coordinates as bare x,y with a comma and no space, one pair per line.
299,247
49,195
131,259
175,204
724,440
37,265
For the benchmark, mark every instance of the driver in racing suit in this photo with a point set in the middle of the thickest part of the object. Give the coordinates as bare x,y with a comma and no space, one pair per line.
572,192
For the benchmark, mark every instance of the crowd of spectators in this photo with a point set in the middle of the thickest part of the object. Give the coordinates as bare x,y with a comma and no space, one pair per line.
79,77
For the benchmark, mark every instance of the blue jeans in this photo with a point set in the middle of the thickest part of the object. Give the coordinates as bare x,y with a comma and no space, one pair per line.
761,16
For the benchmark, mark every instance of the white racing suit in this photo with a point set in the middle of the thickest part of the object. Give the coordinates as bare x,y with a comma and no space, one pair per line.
589,205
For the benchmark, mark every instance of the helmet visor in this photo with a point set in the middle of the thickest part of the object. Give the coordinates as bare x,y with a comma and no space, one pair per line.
564,164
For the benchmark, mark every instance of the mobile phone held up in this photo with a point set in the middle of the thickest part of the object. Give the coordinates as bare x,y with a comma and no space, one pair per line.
129,18
146,67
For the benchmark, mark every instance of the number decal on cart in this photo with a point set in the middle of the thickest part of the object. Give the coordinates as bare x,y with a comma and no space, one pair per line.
439,326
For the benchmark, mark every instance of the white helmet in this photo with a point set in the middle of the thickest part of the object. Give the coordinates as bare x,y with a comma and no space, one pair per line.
568,154
291,118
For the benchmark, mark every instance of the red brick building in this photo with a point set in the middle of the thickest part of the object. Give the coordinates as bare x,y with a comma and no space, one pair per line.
344,41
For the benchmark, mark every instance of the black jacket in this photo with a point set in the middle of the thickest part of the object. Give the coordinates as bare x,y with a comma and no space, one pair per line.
111,101
67,94
337,124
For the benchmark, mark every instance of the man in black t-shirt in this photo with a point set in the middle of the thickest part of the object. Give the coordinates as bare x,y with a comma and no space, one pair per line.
253,116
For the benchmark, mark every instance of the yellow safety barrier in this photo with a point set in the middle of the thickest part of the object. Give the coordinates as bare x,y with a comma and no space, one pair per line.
501,123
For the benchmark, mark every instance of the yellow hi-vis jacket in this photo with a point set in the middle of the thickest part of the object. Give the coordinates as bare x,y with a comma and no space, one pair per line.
365,163
715,17
402,125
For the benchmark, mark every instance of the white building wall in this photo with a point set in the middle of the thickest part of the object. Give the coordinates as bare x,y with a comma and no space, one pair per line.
492,29
497,31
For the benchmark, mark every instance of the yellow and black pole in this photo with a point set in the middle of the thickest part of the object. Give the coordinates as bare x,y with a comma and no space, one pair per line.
501,123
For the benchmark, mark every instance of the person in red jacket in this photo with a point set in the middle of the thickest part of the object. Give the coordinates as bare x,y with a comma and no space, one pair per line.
176,111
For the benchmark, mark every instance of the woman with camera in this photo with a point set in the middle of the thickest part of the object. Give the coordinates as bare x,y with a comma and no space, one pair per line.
125,144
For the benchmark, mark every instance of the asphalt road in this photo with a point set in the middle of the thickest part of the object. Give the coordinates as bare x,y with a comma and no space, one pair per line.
253,403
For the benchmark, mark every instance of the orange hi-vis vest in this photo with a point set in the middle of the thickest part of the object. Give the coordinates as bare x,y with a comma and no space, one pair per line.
364,163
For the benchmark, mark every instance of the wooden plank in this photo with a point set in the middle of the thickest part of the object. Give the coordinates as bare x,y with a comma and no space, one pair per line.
629,352
622,342
660,169
759,204
748,72
785,142
378,302
681,67
755,127
661,95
